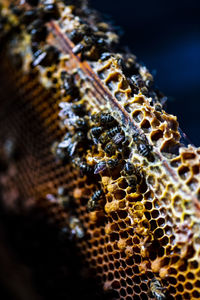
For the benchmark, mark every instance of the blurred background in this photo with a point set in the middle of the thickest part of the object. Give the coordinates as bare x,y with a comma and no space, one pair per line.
165,36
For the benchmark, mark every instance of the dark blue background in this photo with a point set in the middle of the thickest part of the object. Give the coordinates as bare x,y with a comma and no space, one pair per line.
165,35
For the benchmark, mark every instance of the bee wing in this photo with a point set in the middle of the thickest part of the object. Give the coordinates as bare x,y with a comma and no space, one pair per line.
38,60
51,198
101,166
65,143
66,110
72,148
95,140
79,232
64,105
118,138
71,121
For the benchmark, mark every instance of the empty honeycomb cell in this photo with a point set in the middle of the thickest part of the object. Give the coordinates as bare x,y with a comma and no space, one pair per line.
193,184
196,169
122,225
143,296
137,116
164,241
123,184
172,280
188,156
122,214
161,222
116,284
137,289
129,271
129,291
139,100
186,296
197,283
178,297
154,214
110,276
180,288
151,180
123,282
145,125
148,205
196,294
176,163
116,274
122,292
120,96
136,297
155,123
189,286
156,135
184,172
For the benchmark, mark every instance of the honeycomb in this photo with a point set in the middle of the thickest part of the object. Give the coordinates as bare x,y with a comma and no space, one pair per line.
86,137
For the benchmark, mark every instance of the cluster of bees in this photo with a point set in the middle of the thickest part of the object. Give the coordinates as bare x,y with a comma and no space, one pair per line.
102,131
33,21
92,42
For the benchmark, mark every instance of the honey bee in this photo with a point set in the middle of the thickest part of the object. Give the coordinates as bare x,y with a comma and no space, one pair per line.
110,149
96,131
144,149
79,109
69,109
132,175
113,131
105,119
86,43
37,30
80,124
103,165
45,57
129,168
77,34
83,166
70,142
78,48
76,227
93,201
105,56
63,197
104,138
49,10
28,16
157,290
68,82
58,153
116,134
